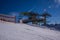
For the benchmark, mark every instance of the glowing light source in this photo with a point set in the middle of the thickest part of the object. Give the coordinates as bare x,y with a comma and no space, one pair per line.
49,7
44,10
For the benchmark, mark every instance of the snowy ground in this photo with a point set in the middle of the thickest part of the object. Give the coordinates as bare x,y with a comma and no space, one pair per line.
12,31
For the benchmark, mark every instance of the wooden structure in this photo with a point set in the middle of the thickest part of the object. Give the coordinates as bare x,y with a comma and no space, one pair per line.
7,18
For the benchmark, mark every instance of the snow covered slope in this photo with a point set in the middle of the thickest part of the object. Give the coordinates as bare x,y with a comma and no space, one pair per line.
12,31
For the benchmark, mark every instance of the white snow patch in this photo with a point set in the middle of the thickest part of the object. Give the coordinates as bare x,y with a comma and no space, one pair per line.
13,31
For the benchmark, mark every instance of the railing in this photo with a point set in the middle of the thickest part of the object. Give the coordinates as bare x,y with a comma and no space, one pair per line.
7,18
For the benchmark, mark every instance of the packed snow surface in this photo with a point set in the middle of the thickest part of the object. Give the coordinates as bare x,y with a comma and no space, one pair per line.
14,31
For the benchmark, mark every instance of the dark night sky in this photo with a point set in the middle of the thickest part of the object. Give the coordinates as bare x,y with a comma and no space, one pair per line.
16,6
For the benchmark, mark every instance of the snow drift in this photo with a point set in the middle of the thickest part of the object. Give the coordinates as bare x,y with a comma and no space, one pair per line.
14,31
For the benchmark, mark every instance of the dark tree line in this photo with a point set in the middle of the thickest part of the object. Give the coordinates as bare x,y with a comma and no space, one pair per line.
35,17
